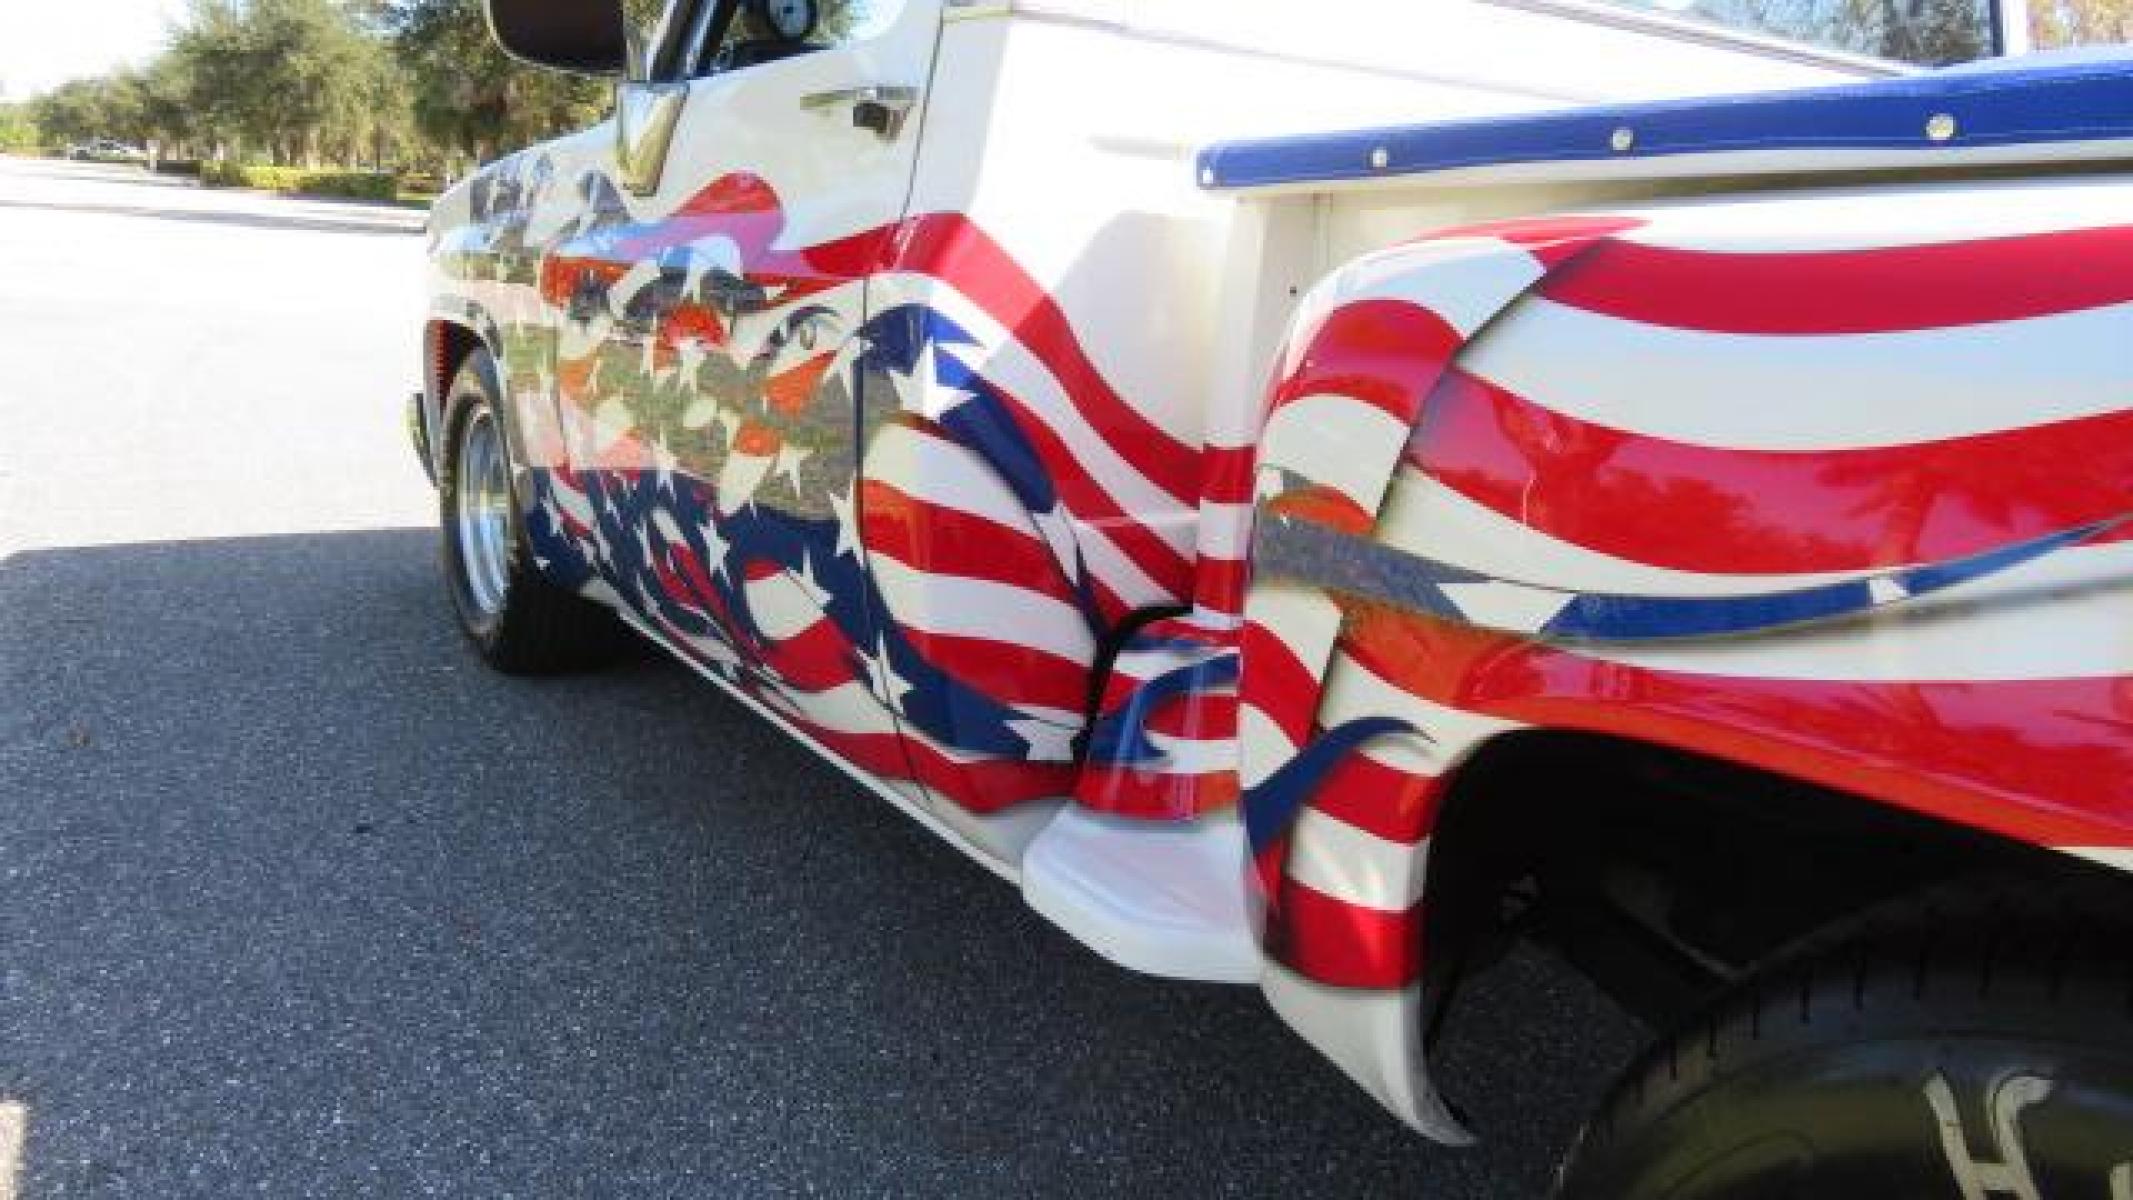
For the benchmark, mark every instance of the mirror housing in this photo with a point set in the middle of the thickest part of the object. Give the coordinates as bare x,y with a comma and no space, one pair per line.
583,37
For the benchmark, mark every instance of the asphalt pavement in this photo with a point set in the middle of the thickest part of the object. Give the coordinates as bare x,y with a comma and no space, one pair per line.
298,900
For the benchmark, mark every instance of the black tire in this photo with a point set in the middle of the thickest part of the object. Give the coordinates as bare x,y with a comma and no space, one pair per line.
1876,1063
532,627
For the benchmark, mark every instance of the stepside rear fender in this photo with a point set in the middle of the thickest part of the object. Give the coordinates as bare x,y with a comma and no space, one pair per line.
1833,485
1337,776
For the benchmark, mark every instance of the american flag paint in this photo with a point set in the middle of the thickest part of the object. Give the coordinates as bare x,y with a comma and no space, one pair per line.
1839,493
1848,504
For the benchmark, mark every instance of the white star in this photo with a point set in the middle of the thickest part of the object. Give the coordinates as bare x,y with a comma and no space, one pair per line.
943,396
847,528
693,356
788,462
810,586
910,385
716,545
1047,742
663,464
883,678
728,422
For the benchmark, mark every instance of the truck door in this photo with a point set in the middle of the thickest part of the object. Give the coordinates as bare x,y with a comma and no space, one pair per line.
761,165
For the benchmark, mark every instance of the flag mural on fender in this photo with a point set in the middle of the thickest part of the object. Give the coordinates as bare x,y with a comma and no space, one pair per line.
1635,477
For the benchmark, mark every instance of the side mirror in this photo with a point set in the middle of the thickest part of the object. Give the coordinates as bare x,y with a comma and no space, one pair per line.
583,37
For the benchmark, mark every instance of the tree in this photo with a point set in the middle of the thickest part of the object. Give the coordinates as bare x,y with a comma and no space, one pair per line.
2057,23
469,99
400,82
18,133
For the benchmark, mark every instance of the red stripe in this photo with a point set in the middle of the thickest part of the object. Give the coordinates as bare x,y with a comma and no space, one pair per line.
815,659
1004,670
2048,761
1721,511
1385,353
1851,291
1278,683
1343,944
949,541
1396,805
1227,474
1221,583
951,247
880,755
1092,505
988,785
1202,717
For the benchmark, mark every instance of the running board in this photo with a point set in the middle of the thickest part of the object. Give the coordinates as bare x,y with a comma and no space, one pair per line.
1168,899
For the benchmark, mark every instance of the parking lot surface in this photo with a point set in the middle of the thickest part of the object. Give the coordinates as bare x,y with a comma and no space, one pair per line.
296,899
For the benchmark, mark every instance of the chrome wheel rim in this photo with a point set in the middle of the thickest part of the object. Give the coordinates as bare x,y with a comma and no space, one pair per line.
482,512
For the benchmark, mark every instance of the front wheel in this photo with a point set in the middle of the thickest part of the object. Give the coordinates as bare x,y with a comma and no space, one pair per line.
1977,1052
519,622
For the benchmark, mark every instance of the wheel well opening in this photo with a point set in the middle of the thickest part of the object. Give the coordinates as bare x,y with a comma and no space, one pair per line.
1662,875
445,345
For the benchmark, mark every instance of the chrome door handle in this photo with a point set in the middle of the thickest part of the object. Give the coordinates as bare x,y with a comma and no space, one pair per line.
881,109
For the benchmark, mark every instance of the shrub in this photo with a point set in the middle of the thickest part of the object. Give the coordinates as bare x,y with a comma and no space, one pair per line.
178,166
355,185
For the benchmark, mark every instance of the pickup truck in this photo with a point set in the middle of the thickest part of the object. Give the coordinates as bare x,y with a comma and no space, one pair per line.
1313,496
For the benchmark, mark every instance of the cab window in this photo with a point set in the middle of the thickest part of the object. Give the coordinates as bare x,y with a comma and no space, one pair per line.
733,35
1927,32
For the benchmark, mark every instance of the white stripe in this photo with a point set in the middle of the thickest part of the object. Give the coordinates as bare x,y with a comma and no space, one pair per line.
956,606
942,474
1336,441
1193,756
1225,530
847,708
782,610
1809,392
1463,281
1261,746
1002,358
573,502
1354,865
1512,606
1868,219
2068,615
1424,517
2120,857
1117,569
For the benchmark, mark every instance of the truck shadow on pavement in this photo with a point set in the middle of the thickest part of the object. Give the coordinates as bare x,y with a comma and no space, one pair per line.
302,900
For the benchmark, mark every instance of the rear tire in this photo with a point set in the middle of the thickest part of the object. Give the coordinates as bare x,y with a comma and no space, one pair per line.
1980,1047
519,622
